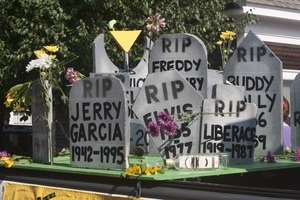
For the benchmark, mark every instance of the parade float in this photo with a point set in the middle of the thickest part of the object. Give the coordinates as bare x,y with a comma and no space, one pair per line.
134,133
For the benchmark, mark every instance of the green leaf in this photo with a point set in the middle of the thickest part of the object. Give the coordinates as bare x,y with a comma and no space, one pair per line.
163,170
144,167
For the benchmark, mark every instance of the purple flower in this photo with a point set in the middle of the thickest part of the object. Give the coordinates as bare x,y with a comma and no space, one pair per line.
169,128
167,124
270,158
297,155
155,24
153,129
164,117
4,154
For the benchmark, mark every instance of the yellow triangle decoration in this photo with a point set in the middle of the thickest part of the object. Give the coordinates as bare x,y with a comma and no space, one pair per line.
125,39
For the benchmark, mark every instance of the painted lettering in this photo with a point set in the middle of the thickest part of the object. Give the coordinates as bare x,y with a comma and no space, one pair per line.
179,65
256,83
196,82
96,111
169,46
169,91
91,90
246,55
136,82
221,108
93,132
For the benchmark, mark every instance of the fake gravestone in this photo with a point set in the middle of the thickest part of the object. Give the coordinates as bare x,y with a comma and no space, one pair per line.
102,63
229,125
168,91
295,113
184,52
138,136
99,136
42,126
123,77
137,132
255,67
137,76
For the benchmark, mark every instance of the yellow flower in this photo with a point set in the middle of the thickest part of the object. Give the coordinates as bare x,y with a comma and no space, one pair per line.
227,35
151,170
9,99
223,36
52,56
52,49
43,74
231,34
155,169
219,43
7,162
148,171
38,53
129,171
19,108
137,170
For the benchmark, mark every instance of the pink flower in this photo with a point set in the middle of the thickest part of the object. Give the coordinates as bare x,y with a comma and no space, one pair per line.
297,155
72,75
153,129
154,24
4,154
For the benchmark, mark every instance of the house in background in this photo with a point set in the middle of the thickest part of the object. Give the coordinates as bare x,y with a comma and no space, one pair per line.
279,29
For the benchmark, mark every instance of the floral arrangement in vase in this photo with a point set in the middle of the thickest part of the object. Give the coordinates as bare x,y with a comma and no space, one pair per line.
49,70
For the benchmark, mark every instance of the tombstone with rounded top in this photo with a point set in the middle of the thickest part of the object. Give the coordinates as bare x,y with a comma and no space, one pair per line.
99,126
183,52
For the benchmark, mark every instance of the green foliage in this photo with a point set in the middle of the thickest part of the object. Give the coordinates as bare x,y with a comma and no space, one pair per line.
205,19
27,25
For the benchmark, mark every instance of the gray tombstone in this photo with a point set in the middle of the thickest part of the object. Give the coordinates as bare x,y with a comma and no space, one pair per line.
138,137
213,77
140,72
229,126
102,63
42,125
99,127
184,52
104,66
255,67
295,113
170,92
228,92
122,76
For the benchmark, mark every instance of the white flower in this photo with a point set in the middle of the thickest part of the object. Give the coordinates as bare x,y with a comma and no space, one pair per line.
42,63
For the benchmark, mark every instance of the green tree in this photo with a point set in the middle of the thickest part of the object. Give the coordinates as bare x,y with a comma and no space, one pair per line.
27,25
205,19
